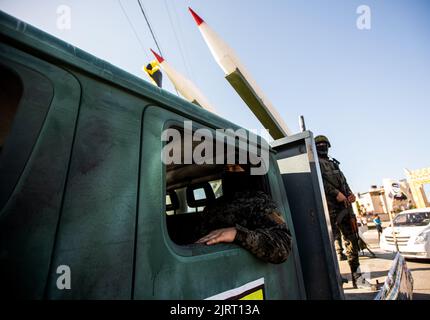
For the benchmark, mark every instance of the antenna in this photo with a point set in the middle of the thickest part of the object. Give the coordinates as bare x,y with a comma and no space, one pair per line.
302,124
149,26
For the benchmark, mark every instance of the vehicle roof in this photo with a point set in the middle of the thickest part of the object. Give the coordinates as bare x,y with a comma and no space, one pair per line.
415,211
40,43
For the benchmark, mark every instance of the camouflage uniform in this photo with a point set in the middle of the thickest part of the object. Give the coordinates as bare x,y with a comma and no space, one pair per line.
260,227
335,182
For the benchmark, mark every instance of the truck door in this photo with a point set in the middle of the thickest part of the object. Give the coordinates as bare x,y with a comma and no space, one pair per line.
299,169
168,270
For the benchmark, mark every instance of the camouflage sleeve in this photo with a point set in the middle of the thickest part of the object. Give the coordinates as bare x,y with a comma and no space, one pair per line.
329,189
270,242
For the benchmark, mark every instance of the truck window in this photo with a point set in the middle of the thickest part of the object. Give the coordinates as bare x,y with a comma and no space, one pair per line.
194,186
199,194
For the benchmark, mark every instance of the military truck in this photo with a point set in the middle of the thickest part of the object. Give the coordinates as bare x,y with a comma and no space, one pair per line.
83,189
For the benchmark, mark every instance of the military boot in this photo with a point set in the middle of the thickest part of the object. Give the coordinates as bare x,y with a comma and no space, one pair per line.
359,282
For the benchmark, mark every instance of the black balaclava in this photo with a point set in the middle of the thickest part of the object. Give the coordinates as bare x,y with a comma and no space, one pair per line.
322,150
240,181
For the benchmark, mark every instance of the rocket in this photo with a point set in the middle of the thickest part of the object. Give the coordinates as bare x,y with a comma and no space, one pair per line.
240,79
184,86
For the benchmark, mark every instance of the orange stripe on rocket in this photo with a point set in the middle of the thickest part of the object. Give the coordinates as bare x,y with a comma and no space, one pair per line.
242,81
184,86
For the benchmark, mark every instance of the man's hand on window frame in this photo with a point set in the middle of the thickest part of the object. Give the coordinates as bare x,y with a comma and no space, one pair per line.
226,235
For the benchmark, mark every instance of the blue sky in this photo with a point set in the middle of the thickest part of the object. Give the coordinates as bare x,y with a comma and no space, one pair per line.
367,90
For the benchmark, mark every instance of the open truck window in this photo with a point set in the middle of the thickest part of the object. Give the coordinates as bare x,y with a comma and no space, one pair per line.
192,187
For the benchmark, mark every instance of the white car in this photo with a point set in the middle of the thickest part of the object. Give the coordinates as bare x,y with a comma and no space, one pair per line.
412,231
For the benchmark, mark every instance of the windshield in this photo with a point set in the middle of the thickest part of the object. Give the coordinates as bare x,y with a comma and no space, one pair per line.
412,219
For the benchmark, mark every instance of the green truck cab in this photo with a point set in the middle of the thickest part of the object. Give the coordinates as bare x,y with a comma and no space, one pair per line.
82,185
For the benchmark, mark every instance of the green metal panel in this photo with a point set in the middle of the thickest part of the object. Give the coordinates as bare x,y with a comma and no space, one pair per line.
304,188
43,132
96,231
294,279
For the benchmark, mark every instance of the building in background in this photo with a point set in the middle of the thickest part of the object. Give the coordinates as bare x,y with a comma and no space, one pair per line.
394,195
371,202
416,180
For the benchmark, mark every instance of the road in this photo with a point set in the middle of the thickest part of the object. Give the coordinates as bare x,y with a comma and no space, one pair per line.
376,269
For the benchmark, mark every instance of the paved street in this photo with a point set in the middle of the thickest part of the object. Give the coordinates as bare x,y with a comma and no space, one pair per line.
378,269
